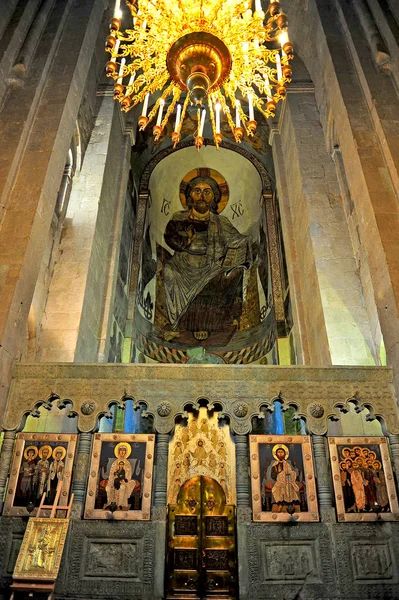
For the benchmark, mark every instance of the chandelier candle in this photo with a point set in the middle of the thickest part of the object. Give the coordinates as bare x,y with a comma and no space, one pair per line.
177,122
278,64
217,116
203,51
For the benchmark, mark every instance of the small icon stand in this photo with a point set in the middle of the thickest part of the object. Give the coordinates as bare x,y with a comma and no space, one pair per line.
41,551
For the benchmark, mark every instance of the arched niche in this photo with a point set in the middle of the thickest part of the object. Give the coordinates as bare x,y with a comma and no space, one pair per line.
209,299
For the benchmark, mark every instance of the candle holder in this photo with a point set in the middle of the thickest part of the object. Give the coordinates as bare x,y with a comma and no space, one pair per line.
271,106
110,68
156,132
218,139
142,122
126,102
110,42
281,91
287,72
238,134
199,142
252,126
288,48
281,21
118,90
115,24
274,8
175,138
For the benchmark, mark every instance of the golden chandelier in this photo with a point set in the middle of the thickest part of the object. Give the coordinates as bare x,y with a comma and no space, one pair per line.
210,54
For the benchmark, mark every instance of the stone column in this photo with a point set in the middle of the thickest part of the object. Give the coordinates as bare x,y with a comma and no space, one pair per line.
243,511
323,479
158,512
161,474
81,474
242,471
377,45
29,46
394,445
5,461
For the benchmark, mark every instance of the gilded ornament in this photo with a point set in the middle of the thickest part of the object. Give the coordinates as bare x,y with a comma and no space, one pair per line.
164,409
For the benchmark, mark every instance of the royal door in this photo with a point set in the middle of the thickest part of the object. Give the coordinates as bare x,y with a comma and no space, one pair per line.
201,555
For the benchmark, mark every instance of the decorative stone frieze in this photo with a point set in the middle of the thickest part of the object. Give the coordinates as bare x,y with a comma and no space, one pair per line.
169,390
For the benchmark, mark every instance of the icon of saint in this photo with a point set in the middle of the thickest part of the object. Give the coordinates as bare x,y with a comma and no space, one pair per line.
42,552
200,454
358,487
56,472
120,483
27,473
347,488
42,470
381,488
285,489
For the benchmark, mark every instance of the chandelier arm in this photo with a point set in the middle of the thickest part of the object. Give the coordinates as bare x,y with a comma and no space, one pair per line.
243,116
155,108
212,116
171,107
226,110
183,113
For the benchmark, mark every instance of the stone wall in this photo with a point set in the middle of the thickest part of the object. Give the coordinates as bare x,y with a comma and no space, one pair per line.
37,120
339,51
329,289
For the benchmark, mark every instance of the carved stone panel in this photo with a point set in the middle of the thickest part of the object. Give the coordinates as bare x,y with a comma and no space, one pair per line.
366,560
113,559
105,559
372,561
289,562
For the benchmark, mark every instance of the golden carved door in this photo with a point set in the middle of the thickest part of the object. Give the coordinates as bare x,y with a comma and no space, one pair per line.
201,555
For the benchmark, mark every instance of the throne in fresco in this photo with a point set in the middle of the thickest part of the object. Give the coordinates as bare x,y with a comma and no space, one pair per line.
215,314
